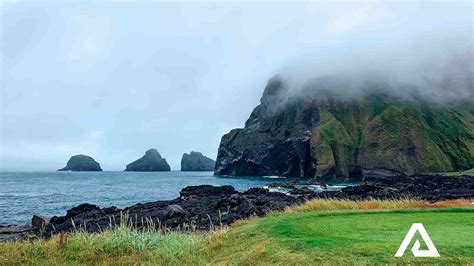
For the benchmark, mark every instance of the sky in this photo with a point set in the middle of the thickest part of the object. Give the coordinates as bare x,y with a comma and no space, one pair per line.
111,79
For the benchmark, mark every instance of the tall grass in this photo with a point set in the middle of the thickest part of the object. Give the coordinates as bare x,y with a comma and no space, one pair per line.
121,245
335,204
124,243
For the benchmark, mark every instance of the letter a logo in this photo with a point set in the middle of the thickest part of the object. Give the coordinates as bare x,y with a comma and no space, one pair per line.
431,252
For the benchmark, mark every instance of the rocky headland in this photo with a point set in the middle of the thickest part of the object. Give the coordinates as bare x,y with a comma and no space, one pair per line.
150,162
81,163
328,132
196,161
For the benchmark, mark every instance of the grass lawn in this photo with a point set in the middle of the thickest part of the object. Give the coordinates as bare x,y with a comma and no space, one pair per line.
347,236
320,231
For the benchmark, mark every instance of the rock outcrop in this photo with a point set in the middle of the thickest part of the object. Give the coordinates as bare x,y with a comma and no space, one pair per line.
325,132
195,161
150,162
202,207
205,206
81,163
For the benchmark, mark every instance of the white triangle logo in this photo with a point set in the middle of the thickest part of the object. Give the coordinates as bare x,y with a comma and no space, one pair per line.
431,252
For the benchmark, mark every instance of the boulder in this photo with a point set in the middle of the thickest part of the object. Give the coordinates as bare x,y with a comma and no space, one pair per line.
39,222
301,191
81,163
150,162
195,161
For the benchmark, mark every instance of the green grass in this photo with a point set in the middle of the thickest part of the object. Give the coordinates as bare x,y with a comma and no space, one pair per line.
320,231
341,237
469,172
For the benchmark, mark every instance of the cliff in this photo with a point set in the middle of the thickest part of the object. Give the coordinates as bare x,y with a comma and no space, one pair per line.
150,162
327,133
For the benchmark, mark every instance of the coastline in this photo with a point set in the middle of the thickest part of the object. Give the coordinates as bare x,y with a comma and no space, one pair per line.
205,206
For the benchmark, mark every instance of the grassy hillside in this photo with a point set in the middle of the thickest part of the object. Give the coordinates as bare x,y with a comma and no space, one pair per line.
319,231
383,132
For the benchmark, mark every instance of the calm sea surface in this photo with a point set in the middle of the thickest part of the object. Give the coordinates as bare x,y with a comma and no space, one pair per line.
23,194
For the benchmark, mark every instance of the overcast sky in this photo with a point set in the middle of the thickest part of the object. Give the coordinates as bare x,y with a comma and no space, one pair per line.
113,79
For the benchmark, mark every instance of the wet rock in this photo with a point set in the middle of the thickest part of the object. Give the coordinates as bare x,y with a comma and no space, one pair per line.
301,191
12,233
39,222
206,190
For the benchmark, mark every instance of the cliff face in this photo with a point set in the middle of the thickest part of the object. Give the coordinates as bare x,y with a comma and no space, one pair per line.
195,161
327,134
81,163
150,162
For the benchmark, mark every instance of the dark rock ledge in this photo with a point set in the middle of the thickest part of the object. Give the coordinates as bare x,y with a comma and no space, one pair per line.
205,207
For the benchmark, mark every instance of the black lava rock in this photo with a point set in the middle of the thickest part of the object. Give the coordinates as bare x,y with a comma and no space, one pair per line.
203,207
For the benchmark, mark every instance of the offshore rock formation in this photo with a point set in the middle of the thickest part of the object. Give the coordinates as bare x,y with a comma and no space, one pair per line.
150,162
195,161
328,133
81,163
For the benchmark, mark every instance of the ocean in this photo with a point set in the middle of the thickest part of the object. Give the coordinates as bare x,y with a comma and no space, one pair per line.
23,194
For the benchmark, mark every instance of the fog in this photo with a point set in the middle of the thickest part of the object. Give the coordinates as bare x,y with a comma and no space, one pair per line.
435,69
434,57
112,79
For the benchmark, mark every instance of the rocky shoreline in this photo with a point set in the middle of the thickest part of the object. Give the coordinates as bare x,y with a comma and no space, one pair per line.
205,207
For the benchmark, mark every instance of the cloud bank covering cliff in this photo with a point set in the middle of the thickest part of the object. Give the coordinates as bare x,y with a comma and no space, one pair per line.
111,79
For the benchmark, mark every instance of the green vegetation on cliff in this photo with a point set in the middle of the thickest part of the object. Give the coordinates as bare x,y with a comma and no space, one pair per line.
404,136
352,133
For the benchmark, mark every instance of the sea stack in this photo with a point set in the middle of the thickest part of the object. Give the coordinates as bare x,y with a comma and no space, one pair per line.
195,161
150,162
81,163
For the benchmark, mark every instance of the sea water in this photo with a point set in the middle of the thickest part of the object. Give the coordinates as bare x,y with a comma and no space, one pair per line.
23,194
